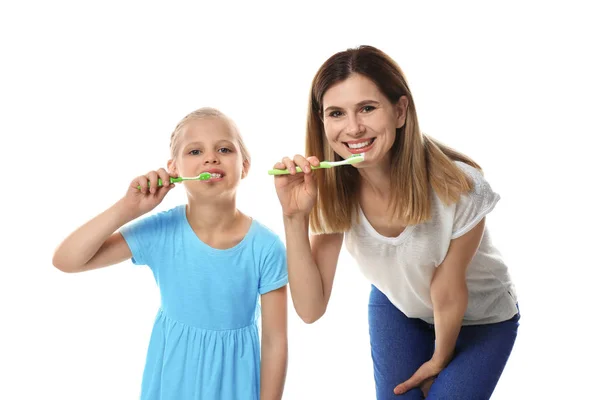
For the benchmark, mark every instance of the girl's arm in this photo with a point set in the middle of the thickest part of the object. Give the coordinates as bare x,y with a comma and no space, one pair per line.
311,267
274,345
449,292
97,244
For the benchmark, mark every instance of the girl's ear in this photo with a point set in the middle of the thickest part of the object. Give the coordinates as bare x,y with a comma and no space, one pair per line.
245,168
401,110
172,167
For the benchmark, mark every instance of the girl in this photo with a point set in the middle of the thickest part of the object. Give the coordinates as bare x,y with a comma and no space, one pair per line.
210,262
442,305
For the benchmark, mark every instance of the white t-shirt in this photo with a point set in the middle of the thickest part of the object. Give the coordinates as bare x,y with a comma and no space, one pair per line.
402,267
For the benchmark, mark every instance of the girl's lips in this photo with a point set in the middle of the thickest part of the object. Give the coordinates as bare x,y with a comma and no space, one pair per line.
216,175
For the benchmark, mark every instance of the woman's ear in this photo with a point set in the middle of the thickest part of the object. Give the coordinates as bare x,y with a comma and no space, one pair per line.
245,168
401,111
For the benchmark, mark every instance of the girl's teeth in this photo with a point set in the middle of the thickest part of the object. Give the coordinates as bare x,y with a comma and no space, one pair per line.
359,145
215,175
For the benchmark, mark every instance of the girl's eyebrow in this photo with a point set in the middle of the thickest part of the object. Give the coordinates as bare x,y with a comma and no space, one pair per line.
359,104
200,144
193,144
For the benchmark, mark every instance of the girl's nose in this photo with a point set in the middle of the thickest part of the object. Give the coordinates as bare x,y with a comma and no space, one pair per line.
211,158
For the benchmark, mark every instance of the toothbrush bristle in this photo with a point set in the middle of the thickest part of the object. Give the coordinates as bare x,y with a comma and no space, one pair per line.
356,158
204,176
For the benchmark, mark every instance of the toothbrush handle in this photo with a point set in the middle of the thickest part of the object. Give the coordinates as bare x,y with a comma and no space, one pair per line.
173,180
286,172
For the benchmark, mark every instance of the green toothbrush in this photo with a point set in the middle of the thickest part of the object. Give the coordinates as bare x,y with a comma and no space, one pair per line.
202,177
356,158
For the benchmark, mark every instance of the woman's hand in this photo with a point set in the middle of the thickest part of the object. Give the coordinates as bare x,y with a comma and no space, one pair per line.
423,378
297,191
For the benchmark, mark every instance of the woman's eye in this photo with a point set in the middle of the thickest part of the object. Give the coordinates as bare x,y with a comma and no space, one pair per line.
368,108
335,114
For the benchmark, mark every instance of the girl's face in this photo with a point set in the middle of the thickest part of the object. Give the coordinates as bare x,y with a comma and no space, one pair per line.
209,145
358,118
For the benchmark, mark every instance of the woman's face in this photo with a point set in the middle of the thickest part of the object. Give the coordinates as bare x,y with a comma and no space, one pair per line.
358,118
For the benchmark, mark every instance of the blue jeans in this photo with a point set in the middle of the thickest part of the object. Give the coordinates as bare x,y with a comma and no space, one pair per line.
400,345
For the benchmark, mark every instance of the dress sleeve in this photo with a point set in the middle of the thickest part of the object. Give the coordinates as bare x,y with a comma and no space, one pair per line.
142,237
273,271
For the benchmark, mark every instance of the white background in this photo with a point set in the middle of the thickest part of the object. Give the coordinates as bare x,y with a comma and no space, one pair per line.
90,92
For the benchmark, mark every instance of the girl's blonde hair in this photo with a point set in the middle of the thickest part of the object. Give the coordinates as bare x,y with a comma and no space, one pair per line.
207,112
417,160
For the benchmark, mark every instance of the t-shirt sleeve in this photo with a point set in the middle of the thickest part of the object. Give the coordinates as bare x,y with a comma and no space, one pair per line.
141,237
472,207
273,274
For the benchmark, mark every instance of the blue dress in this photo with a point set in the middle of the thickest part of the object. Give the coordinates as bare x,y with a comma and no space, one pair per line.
204,343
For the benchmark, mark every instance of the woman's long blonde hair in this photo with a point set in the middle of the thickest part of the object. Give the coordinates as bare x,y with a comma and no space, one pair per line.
418,162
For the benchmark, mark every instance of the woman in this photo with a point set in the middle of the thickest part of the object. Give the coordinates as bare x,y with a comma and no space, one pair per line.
443,314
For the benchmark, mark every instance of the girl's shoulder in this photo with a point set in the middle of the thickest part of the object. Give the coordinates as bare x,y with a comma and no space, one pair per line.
157,219
265,241
263,233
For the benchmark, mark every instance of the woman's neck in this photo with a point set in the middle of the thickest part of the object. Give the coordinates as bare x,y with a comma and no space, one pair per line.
376,179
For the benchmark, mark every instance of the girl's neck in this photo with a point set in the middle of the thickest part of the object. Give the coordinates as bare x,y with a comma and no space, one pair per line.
214,216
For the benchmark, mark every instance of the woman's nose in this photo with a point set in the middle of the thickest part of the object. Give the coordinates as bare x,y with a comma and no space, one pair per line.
354,127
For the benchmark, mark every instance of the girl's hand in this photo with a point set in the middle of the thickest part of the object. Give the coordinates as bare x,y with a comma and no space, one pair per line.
149,195
297,191
423,378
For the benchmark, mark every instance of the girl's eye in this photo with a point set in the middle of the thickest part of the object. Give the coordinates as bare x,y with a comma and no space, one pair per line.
335,114
224,150
194,152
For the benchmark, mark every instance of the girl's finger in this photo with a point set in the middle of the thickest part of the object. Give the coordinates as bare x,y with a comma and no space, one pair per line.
153,179
164,177
142,182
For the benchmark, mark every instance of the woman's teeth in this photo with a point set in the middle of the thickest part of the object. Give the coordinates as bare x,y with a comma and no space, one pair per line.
360,145
214,175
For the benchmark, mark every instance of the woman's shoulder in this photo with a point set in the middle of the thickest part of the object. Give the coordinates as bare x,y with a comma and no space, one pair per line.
480,185
473,173
481,191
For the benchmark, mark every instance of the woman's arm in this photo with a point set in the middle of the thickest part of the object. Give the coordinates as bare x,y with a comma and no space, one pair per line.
274,345
450,297
449,292
311,267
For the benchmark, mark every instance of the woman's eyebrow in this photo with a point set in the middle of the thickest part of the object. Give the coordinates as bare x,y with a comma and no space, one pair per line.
359,104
